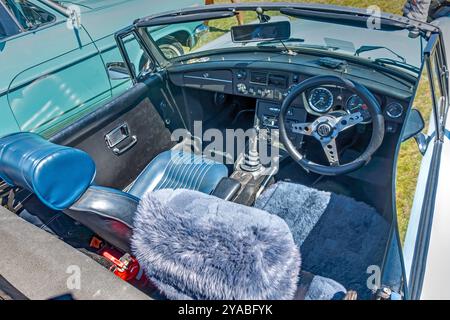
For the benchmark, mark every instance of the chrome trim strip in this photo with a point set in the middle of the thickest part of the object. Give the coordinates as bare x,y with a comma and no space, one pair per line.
211,79
55,6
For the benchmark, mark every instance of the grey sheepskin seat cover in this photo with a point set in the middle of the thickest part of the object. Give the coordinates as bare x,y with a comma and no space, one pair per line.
322,288
338,236
301,207
196,246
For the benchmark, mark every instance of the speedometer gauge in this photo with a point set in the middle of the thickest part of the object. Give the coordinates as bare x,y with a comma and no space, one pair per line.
356,104
321,100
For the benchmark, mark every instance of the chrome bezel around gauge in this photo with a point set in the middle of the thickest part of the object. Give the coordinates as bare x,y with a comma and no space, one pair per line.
313,107
395,116
349,111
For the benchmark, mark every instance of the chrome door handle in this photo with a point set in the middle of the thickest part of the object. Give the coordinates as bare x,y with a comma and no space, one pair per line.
118,151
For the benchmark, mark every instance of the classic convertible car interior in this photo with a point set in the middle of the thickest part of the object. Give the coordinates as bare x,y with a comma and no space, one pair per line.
146,177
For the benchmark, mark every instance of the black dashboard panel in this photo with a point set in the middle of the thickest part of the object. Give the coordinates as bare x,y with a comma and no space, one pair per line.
261,84
269,82
212,80
307,65
268,112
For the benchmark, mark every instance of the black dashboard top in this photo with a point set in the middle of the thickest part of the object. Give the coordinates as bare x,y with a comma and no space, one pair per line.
383,83
269,77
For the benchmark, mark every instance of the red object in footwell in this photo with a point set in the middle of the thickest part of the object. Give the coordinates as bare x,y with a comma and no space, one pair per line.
124,266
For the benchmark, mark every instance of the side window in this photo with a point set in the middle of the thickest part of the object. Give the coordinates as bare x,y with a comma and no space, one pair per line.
411,154
27,14
439,83
139,61
415,153
416,164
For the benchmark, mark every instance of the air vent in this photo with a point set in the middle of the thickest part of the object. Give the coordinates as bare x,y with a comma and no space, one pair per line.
259,78
332,63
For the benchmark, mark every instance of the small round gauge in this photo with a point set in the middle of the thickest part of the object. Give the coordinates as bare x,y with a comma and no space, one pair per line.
321,100
394,110
356,104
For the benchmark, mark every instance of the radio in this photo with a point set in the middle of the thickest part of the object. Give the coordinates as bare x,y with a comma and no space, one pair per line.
262,85
268,114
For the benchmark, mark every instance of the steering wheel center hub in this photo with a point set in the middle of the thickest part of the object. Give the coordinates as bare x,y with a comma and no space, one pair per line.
324,130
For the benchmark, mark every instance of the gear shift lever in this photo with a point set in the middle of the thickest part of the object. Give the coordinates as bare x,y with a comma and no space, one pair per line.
252,162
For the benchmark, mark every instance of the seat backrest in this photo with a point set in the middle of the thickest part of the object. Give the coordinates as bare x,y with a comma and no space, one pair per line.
61,177
57,175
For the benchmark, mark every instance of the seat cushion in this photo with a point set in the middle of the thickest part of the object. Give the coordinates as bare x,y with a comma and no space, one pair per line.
313,287
322,288
179,170
58,175
196,246
301,207
339,237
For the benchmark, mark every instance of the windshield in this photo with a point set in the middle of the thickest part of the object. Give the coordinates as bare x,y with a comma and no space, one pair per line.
393,47
7,25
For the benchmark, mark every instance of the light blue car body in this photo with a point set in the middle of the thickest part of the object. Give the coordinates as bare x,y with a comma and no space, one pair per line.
52,75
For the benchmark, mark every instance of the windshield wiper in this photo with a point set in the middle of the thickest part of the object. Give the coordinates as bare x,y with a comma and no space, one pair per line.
295,40
392,62
388,61
300,42
373,48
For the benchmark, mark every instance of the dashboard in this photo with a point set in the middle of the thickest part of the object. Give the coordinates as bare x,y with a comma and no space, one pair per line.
275,86
270,87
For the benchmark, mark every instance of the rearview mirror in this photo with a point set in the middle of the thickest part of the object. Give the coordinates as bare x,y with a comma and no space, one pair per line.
414,125
118,71
280,30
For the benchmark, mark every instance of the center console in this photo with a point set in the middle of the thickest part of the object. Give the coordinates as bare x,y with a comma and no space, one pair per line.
267,114
269,88
264,85
251,169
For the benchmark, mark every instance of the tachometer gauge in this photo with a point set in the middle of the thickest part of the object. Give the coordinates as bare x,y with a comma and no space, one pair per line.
356,104
321,100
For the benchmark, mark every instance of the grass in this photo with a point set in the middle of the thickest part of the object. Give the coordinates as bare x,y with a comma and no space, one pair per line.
409,158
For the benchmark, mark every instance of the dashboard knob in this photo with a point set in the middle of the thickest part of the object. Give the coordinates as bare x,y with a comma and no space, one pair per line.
241,75
241,88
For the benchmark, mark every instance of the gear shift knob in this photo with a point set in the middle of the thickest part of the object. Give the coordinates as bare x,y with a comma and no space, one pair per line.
252,160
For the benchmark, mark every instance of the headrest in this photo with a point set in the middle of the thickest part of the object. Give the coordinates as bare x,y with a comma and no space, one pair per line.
58,175
196,246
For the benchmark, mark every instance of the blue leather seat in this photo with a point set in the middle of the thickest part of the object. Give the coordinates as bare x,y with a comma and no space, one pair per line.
179,170
62,178
57,175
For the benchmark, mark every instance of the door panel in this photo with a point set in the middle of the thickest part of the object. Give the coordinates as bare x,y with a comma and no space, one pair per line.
136,108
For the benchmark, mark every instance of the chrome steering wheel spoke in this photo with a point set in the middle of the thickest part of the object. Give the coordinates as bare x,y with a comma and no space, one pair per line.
302,128
331,152
348,121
